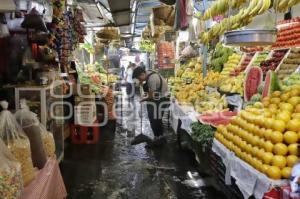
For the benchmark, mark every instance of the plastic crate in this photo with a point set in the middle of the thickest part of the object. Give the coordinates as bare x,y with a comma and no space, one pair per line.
85,114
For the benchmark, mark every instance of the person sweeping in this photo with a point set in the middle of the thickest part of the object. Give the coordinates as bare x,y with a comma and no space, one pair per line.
156,98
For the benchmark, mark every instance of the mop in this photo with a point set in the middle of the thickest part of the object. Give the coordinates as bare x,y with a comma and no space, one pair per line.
141,138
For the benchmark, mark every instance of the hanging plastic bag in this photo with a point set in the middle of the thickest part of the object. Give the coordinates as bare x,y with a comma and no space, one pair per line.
30,124
48,141
17,142
11,182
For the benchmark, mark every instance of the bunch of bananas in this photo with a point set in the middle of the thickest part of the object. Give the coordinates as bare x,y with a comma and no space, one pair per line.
217,8
243,18
284,5
236,3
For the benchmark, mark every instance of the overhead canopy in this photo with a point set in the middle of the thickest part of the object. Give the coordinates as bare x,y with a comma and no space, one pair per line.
120,11
7,6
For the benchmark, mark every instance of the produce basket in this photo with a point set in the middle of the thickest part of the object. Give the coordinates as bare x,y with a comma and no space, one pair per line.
163,14
110,33
250,37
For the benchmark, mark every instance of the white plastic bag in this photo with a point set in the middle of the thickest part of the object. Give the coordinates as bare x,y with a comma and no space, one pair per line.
11,183
17,142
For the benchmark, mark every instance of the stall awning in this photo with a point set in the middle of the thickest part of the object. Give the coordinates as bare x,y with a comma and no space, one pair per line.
7,6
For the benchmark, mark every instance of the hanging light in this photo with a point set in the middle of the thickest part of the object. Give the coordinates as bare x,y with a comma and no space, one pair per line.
34,20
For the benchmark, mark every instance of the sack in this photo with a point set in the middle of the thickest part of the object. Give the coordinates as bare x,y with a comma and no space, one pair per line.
17,142
48,141
31,127
10,174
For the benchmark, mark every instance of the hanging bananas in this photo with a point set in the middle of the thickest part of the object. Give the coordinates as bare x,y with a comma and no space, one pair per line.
284,5
220,7
243,18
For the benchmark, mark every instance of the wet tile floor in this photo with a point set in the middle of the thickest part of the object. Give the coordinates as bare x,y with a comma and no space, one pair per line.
113,169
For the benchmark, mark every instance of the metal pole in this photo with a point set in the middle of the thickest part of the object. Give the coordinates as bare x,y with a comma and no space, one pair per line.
205,48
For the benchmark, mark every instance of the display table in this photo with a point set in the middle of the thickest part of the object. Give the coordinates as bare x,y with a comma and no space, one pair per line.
249,180
48,183
186,114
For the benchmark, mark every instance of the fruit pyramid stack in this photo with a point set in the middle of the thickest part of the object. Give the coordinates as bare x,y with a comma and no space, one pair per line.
266,135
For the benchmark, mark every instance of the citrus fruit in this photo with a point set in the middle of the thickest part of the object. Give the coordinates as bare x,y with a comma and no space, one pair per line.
286,172
284,97
268,134
286,107
279,125
265,168
291,160
268,146
279,161
296,116
274,172
280,149
297,108
290,137
293,125
293,149
267,157
294,100
276,94
276,137
285,116
294,92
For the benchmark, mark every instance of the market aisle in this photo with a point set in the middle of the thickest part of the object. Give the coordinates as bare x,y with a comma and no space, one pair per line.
114,169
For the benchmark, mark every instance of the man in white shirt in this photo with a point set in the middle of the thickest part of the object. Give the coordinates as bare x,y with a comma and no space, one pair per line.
130,89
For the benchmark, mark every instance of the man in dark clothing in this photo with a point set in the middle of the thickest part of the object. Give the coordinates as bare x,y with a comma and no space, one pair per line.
156,97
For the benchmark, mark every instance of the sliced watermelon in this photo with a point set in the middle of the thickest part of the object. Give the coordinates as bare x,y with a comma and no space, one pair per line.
253,79
217,118
271,83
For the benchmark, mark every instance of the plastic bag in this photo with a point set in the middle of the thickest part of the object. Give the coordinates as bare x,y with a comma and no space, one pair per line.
17,142
31,126
11,183
189,52
48,141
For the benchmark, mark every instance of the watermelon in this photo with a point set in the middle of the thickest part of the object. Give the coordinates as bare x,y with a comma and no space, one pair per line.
271,83
252,81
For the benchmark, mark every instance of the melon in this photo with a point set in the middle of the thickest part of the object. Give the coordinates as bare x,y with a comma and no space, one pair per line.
271,83
252,81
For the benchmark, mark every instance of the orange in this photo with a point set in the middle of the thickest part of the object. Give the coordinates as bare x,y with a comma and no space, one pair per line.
279,125
265,168
285,116
255,151
293,125
294,100
294,92
276,137
274,172
286,172
293,149
297,108
286,107
290,137
268,146
268,134
296,116
260,154
284,97
267,157
291,160
275,100
279,161
280,149
261,143
276,94
273,106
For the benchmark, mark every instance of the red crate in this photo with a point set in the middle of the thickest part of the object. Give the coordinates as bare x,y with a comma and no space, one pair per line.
79,134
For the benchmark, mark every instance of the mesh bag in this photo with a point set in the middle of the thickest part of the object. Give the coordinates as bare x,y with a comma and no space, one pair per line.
10,174
17,142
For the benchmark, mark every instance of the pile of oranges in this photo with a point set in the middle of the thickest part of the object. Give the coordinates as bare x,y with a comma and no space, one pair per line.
266,135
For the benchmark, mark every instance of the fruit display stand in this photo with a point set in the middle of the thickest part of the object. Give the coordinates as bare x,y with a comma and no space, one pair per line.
249,181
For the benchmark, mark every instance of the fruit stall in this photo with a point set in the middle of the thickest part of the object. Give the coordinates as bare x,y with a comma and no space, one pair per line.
237,104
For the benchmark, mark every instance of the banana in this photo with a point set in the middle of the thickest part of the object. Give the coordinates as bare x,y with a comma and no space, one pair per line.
265,7
282,5
292,3
257,7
